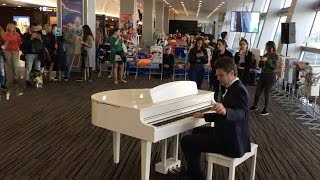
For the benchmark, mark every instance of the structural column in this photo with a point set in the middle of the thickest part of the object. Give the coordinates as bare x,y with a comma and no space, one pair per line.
166,20
90,20
130,7
148,22
159,16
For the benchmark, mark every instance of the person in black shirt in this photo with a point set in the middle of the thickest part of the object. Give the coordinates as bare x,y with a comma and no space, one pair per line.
168,62
230,135
198,57
220,52
49,42
243,60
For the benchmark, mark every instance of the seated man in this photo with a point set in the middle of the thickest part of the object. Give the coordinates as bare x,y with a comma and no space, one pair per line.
167,62
230,134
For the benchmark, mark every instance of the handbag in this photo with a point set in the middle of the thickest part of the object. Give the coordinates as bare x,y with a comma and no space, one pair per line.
22,57
84,52
122,55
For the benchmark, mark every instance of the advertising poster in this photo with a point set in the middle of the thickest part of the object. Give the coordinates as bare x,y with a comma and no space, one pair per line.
126,21
23,22
72,12
157,53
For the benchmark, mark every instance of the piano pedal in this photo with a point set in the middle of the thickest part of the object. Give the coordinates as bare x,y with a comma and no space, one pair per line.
172,171
177,169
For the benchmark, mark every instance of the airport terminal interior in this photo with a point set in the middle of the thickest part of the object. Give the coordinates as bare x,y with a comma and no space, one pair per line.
107,89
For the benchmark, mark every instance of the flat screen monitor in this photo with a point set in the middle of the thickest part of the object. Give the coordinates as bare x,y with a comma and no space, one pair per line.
23,22
245,21
182,26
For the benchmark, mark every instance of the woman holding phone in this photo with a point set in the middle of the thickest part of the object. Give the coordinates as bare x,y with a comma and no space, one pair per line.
118,57
198,58
243,60
268,64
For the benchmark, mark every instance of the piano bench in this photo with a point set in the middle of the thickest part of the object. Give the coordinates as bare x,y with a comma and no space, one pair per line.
232,163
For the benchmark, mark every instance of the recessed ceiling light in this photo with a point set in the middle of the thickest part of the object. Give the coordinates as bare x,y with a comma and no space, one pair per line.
19,6
4,4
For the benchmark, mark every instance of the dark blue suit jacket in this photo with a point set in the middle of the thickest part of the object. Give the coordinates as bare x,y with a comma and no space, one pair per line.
232,130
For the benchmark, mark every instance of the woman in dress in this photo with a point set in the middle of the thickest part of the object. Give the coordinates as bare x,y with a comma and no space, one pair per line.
118,57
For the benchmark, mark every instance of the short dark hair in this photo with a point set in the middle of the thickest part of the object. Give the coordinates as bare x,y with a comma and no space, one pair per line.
227,65
224,34
115,29
222,41
34,24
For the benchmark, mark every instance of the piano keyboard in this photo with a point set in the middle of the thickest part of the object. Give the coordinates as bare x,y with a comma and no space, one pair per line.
158,124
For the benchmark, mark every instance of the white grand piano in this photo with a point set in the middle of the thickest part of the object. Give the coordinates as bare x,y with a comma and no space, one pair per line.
151,115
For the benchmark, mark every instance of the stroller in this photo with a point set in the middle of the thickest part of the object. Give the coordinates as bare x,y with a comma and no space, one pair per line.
104,59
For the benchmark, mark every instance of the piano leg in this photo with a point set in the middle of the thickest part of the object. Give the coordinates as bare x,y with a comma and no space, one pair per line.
170,164
145,159
116,147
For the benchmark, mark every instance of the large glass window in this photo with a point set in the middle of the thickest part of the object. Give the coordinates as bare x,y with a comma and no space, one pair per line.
236,39
287,3
277,35
256,37
314,38
312,58
266,6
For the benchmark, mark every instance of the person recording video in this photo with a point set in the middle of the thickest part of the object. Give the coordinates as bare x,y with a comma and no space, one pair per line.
32,48
198,58
243,60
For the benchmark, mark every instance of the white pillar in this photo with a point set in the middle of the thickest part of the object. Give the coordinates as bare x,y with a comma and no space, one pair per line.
148,22
159,16
166,20
130,7
90,20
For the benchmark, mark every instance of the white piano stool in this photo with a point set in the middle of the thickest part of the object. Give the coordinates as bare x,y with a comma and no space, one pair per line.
232,163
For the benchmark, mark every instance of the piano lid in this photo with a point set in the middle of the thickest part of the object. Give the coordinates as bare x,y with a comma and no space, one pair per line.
141,98
131,98
173,90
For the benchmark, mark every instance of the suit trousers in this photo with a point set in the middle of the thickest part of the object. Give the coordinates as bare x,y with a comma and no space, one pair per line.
202,139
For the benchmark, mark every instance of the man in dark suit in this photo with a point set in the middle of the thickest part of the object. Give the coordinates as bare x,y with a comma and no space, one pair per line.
230,134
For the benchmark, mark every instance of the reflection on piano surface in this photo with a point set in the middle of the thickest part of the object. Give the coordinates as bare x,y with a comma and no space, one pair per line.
151,115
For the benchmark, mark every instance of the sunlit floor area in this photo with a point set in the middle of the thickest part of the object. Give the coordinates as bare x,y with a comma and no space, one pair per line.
47,134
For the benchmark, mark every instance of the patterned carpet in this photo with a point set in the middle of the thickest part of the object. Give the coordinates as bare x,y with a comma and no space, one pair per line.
47,134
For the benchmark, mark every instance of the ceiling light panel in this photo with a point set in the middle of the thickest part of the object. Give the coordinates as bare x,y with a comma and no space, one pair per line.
216,9
184,8
199,7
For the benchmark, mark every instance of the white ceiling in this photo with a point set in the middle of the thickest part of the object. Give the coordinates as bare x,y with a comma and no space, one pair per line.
111,7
